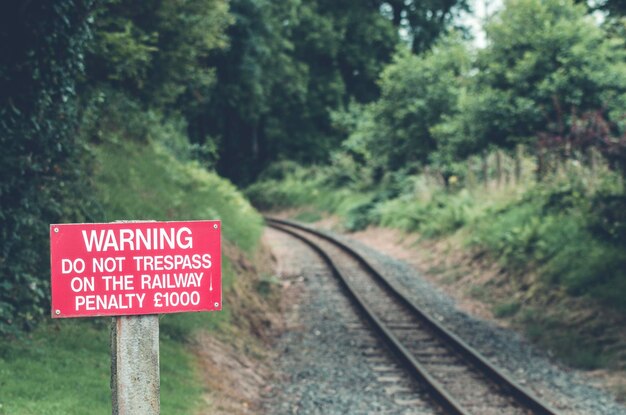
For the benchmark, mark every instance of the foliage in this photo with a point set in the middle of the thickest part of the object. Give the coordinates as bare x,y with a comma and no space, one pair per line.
443,214
546,62
549,77
290,65
556,228
422,21
43,165
156,49
416,94
287,185
256,72
568,228
575,348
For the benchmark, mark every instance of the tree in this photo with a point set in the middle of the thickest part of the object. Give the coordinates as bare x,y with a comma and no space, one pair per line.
291,65
423,22
156,50
546,63
417,92
43,44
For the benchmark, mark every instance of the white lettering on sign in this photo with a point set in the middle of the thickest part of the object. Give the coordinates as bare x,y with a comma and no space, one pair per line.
169,281
137,239
108,302
68,266
175,299
123,282
170,262
111,264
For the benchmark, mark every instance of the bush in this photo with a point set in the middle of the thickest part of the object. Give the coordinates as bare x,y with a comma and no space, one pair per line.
556,229
608,218
43,164
440,212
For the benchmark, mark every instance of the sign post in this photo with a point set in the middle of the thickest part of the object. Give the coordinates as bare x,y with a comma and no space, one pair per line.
135,271
135,379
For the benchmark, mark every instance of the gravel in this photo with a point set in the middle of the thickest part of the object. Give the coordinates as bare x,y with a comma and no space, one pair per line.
326,367
328,361
563,388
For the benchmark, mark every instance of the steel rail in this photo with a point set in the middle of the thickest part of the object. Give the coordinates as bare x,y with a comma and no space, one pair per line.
434,387
521,394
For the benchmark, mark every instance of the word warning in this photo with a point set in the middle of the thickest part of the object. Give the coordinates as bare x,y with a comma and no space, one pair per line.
113,269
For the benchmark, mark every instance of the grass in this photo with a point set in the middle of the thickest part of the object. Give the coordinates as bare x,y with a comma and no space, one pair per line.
308,216
571,347
41,373
63,367
139,181
506,309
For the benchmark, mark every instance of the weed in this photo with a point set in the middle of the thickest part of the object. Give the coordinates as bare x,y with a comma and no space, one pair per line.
506,309
570,346
478,292
308,216
267,284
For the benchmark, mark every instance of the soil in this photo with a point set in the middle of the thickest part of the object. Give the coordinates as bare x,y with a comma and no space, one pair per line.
234,363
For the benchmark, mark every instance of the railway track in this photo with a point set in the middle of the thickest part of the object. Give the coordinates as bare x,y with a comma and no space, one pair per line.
456,376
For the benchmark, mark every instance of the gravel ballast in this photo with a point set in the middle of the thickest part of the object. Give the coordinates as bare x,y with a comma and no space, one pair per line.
328,361
325,357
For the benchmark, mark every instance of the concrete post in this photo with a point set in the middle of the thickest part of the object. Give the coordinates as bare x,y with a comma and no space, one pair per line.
135,379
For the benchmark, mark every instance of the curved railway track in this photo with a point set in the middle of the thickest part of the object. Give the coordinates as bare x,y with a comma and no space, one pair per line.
457,377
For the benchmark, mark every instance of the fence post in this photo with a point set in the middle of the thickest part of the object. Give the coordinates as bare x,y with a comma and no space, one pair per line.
499,168
471,177
540,164
485,168
519,155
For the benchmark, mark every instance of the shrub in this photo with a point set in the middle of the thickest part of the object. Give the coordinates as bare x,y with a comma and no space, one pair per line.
43,162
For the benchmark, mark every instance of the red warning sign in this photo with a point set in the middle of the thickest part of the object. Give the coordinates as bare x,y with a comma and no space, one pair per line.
129,268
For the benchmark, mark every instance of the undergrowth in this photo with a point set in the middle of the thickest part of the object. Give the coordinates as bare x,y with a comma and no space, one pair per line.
571,227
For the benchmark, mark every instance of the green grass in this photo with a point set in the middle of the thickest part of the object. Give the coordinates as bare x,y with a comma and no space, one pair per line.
308,216
305,187
506,309
144,181
63,367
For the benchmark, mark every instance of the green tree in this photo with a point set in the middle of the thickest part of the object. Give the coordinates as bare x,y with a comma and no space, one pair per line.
422,22
290,65
148,73
546,63
156,50
417,92
43,44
